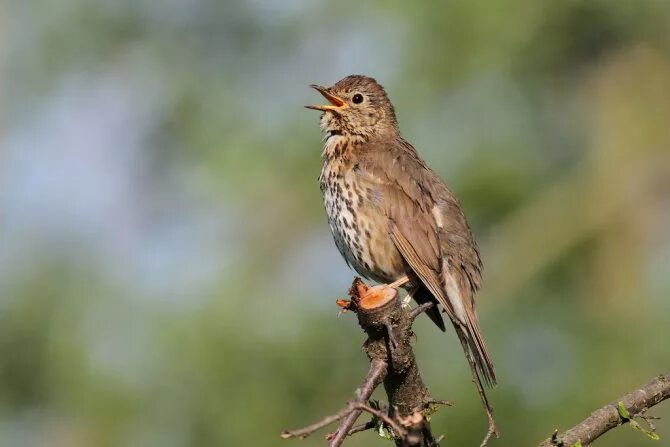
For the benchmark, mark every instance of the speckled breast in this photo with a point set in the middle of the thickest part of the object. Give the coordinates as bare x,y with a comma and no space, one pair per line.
357,224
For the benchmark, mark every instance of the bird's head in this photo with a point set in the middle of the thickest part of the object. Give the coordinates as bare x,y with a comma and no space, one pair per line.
357,105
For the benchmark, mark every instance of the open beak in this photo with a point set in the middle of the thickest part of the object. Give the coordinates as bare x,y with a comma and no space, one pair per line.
336,103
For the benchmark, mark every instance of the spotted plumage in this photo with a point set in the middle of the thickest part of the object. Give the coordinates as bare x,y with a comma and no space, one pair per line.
350,204
391,215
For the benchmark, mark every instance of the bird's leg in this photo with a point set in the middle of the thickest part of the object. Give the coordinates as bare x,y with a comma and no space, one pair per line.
407,300
400,282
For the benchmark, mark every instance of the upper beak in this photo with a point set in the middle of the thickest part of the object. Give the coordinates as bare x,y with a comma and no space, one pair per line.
336,103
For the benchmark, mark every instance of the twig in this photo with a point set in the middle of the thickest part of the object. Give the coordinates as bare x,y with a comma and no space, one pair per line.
388,347
491,430
647,419
369,425
421,308
608,417
375,376
397,430
306,431
447,403
377,415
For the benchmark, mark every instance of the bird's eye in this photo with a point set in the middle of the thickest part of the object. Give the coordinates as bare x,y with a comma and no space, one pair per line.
357,99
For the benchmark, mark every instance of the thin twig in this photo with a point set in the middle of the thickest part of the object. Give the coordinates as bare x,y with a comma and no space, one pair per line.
375,376
647,418
369,425
397,430
421,308
343,431
491,430
447,403
306,431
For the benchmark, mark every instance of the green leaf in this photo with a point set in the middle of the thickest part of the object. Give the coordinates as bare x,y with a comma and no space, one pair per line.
577,444
652,435
623,413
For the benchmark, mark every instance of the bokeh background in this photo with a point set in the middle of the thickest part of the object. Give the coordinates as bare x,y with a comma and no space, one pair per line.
167,277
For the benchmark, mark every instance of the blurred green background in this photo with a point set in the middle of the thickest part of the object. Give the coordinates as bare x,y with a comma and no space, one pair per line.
167,277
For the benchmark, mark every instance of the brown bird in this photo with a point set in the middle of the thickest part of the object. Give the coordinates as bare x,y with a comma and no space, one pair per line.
392,218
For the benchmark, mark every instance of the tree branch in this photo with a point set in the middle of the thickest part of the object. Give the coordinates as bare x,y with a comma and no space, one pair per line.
369,425
398,430
392,361
421,308
350,413
375,376
304,432
609,417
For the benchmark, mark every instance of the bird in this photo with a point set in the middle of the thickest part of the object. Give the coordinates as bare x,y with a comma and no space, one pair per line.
393,219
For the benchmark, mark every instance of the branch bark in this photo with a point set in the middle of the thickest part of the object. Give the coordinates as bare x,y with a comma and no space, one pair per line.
389,330
378,370
609,417
392,362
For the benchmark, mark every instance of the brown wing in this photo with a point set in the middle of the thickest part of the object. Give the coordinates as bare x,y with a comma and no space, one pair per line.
427,225
400,178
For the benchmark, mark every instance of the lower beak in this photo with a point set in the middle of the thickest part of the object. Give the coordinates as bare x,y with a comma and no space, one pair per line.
336,103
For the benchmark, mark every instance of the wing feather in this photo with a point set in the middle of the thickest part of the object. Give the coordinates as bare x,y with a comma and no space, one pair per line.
429,230
428,277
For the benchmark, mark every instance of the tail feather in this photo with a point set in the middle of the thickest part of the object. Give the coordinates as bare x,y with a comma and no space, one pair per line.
478,350
481,371
459,303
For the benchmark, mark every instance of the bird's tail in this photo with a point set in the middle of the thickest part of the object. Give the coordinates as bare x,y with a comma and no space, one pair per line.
475,349
479,360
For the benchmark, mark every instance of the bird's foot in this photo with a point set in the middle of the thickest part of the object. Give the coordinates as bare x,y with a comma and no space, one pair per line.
400,282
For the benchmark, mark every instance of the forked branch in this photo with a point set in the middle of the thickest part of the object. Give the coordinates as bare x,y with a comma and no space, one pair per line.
392,362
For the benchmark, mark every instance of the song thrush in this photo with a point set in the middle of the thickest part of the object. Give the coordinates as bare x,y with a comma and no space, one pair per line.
392,217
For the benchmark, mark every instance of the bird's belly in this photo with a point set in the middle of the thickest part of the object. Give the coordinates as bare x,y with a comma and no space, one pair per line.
360,231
